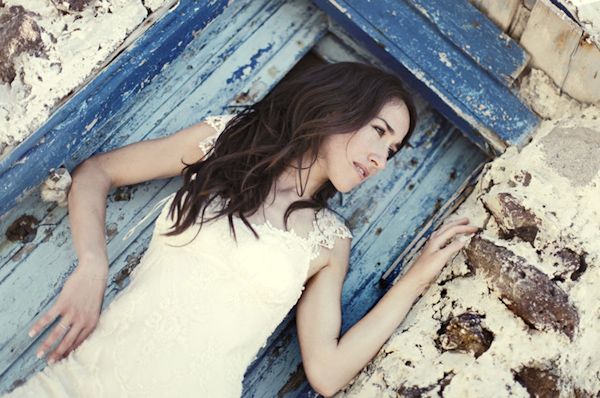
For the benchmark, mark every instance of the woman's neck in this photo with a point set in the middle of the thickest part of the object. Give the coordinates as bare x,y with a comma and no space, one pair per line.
294,185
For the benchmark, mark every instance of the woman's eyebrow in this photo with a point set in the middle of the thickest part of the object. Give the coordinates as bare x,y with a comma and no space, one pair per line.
391,130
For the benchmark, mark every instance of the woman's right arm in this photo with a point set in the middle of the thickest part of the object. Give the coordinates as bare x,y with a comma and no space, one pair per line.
80,301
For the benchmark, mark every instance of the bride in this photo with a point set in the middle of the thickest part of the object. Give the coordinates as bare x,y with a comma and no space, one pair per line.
246,237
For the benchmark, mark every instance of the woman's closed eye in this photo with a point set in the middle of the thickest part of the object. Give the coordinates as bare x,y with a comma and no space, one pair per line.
381,132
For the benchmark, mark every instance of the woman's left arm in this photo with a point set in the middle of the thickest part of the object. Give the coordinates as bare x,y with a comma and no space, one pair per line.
330,362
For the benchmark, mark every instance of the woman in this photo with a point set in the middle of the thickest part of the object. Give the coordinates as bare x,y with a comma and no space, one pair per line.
234,248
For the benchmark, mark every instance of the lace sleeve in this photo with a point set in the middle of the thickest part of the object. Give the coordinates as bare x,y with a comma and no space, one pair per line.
327,227
218,123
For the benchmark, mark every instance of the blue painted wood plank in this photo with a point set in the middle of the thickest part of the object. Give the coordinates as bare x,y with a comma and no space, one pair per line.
281,359
69,127
147,116
475,35
447,77
301,24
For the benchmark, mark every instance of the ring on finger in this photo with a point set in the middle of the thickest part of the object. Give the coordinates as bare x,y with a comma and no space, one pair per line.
63,326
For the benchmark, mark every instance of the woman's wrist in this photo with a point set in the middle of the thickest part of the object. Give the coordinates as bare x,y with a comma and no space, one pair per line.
416,280
93,267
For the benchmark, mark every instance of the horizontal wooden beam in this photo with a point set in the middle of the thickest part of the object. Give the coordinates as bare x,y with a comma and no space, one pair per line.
411,44
81,117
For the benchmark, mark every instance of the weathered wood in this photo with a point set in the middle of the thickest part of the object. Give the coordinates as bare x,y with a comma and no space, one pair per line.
448,78
500,12
475,35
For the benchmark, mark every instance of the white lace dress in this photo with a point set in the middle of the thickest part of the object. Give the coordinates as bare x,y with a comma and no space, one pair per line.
195,314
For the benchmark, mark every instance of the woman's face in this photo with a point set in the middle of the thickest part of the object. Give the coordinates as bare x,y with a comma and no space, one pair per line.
349,159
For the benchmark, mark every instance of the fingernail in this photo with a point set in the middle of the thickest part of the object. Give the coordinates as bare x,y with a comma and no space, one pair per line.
462,238
40,354
32,333
51,361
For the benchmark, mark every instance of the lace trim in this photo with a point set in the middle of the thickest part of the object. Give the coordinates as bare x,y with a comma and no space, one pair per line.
218,123
326,228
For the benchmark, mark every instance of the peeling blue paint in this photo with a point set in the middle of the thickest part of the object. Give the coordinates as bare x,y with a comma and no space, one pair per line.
244,70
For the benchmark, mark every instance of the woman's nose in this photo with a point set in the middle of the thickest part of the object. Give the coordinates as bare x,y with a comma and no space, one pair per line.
378,161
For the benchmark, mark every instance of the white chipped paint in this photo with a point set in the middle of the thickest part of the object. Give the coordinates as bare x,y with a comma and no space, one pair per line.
422,10
338,6
88,127
444,59
488,135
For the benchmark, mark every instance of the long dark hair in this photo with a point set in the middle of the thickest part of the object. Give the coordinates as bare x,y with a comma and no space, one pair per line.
277,132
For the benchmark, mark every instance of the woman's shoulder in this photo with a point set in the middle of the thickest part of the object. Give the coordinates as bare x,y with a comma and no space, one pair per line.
218,122
327,228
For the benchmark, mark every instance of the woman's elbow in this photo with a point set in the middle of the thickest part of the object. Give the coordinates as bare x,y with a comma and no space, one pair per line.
323,382
92,169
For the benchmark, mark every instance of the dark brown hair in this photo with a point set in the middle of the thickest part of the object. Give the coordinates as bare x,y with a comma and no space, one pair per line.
277,132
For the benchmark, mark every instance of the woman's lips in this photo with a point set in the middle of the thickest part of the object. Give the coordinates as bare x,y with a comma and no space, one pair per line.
361,170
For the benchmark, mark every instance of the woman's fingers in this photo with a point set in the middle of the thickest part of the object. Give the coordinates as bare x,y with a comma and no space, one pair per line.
455,246
46,319
445,227
443,239
64,346
85,332
58,331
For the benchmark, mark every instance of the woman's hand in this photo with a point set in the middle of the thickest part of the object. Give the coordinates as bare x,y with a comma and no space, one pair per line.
78,304
442,245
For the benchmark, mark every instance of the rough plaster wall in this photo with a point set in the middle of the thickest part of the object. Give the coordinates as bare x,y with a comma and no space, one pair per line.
587,13
516,314
48,48
567,50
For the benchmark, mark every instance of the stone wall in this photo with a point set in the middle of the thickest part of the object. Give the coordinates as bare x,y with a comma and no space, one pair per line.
517,312
565,43
51,48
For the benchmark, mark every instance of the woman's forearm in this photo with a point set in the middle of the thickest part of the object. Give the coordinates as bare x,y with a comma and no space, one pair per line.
87,216
332,363
364,340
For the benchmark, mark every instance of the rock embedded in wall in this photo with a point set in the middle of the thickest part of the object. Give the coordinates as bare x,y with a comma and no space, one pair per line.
51,48
515,314
526,291
19,33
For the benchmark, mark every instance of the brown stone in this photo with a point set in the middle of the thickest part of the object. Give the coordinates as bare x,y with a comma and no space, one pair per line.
525,290
23,229
569,264
464,333
71,5
417,392
19,33
512,217
540,383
